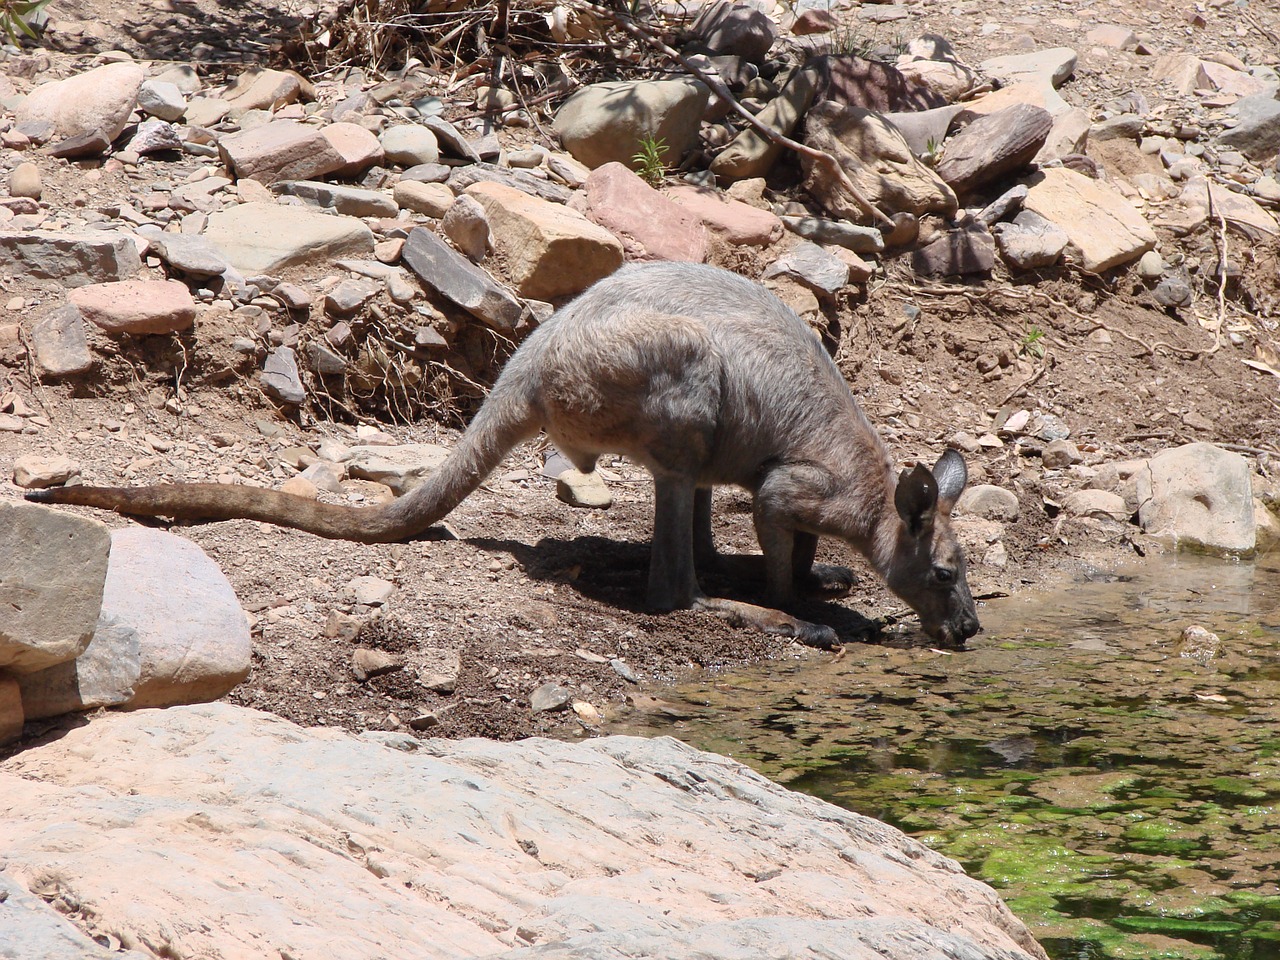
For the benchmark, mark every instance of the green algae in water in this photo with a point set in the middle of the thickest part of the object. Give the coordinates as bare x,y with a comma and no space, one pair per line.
1122,797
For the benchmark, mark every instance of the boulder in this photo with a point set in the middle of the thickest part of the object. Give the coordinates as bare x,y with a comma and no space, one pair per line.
733,30
993,146
52,569
1103,228
280,150
550,251
851,81
267,237
73,259
605,122
216,830
98,101
651,226
750,154
877,160
104,675
136,306
454,277
194,642
1199,497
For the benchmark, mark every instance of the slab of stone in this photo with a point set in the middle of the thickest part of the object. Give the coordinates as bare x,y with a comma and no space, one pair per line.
409,145
73,259
263,90
751,154
550,251
280,150
650,226
735,222
136,306
969,251
587,490
206,111
839,233
807,263
605,122
993,146
401,467
189,253
451,139
462,177
1243,214
1056,64
162,100
1198,497
266,237
1256,133
52,569
34,471
59,343
1105,230
280,377
876,160
341,199
447,848
454,277
103,675
31,928
98,101
1069,135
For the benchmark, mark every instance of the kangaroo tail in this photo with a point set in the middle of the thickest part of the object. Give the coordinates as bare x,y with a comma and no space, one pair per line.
508,417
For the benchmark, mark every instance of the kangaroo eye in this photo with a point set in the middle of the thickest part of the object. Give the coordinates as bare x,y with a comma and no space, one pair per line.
944,574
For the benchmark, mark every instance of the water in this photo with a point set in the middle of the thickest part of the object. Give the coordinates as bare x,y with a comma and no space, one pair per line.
1117,782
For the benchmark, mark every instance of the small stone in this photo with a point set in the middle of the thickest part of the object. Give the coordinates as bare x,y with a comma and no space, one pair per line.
432,199
467,225
439,669
579,489
1059,454
988,501
1199,644
367,663
623,669
342,626
549,697
371,591
25,181
33,472
1151,266
300,487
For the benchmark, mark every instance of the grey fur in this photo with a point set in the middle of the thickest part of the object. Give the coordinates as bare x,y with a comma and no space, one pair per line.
704,378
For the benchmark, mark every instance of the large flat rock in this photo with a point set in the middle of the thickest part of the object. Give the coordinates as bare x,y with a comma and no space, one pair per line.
266,237
223,832
1105,230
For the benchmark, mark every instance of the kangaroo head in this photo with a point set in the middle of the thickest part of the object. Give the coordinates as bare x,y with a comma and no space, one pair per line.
927,569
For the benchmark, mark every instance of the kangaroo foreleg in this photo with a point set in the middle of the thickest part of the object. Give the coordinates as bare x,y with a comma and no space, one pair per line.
819,581
673,580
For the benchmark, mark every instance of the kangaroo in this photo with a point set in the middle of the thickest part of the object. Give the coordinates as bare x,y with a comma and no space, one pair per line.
704,378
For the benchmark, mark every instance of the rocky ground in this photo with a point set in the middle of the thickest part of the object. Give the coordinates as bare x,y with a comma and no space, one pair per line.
534,597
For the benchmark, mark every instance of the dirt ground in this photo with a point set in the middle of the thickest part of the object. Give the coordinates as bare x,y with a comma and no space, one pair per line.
531,591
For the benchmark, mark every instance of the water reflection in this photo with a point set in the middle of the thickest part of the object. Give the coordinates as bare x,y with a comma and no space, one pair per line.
1117,779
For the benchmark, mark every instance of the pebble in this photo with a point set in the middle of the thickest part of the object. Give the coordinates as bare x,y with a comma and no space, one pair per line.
367,663
25,181
579,489
549,697
371,591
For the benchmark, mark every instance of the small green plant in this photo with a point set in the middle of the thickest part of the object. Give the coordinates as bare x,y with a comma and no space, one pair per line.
13,18
1032,343
932,152
649,162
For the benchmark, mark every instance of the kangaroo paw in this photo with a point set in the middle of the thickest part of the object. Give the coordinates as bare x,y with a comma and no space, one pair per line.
771,621
825,582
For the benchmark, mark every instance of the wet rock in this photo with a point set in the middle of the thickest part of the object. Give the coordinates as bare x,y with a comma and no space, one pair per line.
97,102
650,226
993,146
466,223
74,259
59,344
409,145
876,160
989,502
1198,496
136,306
52,569
549,250
103,675
347,201
446,271
579,489
258,238
280,377
1199,644
194,637
1103,228
605,122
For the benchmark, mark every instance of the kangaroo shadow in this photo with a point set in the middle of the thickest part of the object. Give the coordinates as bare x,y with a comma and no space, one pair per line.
615,572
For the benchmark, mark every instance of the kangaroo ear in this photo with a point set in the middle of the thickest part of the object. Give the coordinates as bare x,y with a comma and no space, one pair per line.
916,499
951,474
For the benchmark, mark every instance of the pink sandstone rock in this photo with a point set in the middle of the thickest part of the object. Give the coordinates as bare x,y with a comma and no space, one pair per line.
136,306
650,226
